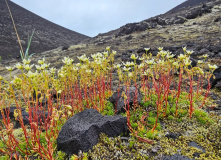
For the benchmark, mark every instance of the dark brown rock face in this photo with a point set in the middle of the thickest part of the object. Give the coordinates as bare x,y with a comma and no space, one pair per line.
81,132
47,35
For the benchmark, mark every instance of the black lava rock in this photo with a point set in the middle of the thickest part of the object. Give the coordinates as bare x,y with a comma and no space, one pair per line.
173,135
218,19
217,80
81,132
117,98
176,157
194,144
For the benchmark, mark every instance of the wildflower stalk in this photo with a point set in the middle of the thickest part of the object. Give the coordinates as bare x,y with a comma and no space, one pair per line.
207,90
179,88
190,94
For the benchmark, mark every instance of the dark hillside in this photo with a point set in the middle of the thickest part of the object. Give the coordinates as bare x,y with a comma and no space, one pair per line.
188,3
47,34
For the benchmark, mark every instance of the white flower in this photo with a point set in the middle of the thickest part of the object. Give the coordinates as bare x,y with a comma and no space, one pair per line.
61,75
117,66
30,74
126,69
47,65
105,54
212,67
181,57
132,64
189,52
200,61
19,66
98,61
10,68
184,49
205,55
94,56
127,64
114,52
170,56
42,66
146,49
160,61
46,72
83,58
65,60
133,56
68,61
83,67
130,74
162,53
150,62
41,61
187,62
147,72
52,70
99,55
75,68
78,64
108,48
38,67
176,64
28,67
88,71
201,71
141,65
160,48
26,61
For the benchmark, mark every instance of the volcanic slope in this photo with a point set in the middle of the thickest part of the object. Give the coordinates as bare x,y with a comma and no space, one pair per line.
198,27
47,35
189,3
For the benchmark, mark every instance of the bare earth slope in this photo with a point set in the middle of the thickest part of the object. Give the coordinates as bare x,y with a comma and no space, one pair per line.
47,34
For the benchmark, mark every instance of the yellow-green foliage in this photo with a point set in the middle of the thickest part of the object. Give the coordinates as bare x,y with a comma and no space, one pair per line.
87,84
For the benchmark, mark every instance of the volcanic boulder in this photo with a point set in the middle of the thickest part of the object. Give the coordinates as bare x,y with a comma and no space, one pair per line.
81,132
216,82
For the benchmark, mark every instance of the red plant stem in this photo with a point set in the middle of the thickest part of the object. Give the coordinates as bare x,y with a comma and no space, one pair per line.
99,92
127,106
158,103
135,98
118,94
191,96
179,89
110,83
103,92
198,85
207,91
167,90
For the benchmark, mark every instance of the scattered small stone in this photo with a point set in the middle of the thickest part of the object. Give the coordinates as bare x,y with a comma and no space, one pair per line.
118,98
194,144
176,157
172,135
155,149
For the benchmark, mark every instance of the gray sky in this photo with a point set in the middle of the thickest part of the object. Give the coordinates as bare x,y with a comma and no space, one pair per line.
91,17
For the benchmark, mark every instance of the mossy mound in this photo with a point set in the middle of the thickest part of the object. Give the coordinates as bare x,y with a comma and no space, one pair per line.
208,137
